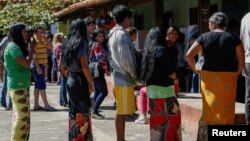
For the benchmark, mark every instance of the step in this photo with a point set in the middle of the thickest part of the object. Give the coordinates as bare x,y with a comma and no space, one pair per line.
190,104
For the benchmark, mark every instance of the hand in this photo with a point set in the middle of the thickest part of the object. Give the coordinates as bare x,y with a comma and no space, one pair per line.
176,81
32,47
196,71
39,70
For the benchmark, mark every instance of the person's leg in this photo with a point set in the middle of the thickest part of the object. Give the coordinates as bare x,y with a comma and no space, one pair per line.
59,78
247,94
61,101
36,99
54,69
120,127
195,83
124,108
49,69
9,104
101,85
43,92
96,91
45,100
63,91
21,119
36,90
4,90
142,106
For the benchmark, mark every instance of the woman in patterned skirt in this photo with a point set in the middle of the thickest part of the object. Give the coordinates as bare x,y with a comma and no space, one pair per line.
158,72
74,65
223,62
17,59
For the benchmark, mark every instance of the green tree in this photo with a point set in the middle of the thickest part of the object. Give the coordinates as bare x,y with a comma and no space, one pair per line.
33,14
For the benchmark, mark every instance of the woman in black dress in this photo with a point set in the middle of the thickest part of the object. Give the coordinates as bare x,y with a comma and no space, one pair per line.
74,65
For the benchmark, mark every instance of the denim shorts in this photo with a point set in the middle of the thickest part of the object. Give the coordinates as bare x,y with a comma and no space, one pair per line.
40,82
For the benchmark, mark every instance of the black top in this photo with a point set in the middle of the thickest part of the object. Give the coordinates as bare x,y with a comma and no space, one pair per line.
219,50
163,68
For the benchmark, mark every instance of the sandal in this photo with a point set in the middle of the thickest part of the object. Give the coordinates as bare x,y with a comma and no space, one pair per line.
38,108
50,109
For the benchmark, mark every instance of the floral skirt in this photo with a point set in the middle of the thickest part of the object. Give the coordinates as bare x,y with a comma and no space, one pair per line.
165,119
80,127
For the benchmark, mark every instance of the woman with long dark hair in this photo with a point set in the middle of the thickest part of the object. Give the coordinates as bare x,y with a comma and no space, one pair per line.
17,59
158,73
74,65
99,54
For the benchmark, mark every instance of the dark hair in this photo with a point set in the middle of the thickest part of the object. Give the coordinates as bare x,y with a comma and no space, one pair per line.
172,28
131,30
96,32
120,12
15,36
154,39
89,20
38,28
219,18
76,39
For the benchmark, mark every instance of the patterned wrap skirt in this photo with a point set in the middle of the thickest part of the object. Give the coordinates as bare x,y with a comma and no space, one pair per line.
165,115
218,90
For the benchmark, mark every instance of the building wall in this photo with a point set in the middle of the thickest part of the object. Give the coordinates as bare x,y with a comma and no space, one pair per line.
63,27
180,9
148,10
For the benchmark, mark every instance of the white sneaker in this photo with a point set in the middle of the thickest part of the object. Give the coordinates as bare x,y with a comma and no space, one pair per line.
141,120
4,108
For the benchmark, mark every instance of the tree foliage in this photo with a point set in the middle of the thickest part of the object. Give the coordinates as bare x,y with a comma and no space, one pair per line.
33,14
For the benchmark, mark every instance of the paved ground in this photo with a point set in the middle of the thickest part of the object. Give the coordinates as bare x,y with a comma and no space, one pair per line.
52,126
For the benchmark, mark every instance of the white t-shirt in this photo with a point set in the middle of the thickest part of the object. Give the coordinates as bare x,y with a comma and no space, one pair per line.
245,35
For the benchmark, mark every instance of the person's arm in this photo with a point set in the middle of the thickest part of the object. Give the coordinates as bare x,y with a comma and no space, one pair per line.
64,71
86,71
25,62
48,44
192,52
17,54
240,57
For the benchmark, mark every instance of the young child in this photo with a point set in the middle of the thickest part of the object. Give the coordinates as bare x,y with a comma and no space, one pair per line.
143,106
140,92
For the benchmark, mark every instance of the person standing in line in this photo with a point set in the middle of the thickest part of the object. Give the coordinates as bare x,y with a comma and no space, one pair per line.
17,60
124,68
245,37
99,54
57,47
193,35
48,70
104,21
90,23
4,91
223,62
158,72
74,66
171,38
40,61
